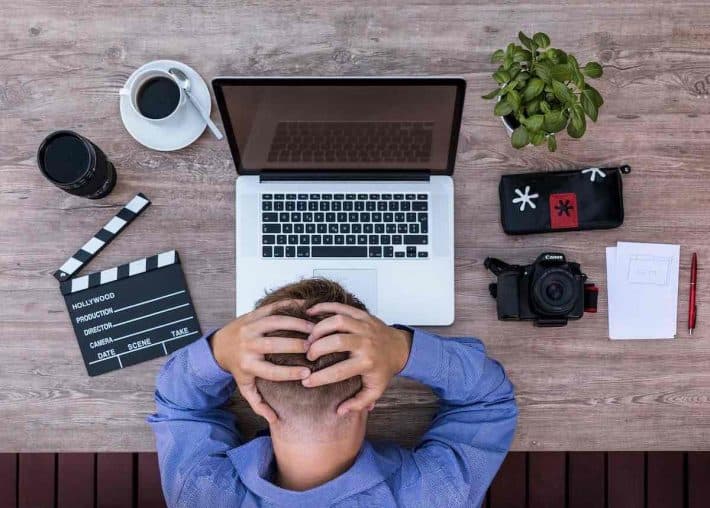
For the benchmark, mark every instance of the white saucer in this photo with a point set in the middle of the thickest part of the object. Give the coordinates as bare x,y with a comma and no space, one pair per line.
185,126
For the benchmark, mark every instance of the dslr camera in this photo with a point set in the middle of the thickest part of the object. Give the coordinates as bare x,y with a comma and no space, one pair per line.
549,292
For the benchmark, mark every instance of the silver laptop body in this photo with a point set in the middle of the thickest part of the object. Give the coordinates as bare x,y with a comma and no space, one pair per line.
349,179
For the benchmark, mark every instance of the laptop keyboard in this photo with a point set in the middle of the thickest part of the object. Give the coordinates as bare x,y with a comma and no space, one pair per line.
345,225
351,142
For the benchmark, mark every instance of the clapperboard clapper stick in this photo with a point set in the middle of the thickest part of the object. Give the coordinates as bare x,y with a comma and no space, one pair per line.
130,313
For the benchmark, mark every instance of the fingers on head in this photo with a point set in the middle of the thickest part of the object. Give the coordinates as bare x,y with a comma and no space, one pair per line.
336,372
272,372
267,310
282,323
335,343
337,308
257,403
332,324
272,345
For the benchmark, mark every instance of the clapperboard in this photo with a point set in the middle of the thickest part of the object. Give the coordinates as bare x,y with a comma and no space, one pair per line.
133,312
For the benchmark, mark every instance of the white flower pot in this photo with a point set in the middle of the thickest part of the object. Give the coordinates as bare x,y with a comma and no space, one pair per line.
508,127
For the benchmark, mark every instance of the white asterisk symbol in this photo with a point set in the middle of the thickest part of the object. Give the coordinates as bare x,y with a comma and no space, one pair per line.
525,198
594,172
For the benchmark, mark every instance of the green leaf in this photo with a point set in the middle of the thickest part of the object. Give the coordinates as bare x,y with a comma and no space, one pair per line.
593,70
533,89
544,107
502,108
543,71
561,72
575,132
507,62
533,107
577,75
527,42
551,143
541,39
497,56
501,77
554,121
522,55
562,93
594,95
556,55
509,50
589,107
492,94
523,76
537,138
577,124
513,99
534,123
520,137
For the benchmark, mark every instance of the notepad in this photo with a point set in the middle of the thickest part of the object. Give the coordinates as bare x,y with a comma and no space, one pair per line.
642,284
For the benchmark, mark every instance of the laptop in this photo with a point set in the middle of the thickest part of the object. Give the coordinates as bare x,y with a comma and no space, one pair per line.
348,179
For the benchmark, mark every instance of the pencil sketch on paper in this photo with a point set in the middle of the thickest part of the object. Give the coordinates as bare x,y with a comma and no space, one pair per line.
646,269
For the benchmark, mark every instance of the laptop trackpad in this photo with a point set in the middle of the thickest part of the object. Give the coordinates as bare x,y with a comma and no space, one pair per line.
360,282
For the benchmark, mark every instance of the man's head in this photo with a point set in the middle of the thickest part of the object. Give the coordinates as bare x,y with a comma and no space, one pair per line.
294,403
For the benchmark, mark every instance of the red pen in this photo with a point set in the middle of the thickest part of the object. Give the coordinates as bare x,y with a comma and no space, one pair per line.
692,306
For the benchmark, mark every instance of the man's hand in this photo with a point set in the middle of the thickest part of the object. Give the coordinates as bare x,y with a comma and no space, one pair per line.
240,347
377,352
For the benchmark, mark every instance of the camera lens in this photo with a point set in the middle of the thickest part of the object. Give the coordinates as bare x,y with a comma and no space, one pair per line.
555,292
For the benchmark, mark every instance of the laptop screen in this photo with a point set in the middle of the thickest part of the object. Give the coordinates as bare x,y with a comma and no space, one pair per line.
351,124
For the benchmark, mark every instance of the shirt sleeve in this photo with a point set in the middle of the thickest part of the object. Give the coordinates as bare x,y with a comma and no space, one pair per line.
193,428
471,433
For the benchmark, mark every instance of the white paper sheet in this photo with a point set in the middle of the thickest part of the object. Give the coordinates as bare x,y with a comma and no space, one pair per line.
642,283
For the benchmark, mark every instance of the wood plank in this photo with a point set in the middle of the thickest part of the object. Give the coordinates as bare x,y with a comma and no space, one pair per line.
581,392
698,479
547,472
150,492
586,479
75,480
665,480
508,489
8,480
36,485
114,480
626,480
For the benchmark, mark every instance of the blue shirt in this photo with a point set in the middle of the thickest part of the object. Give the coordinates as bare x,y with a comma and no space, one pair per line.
205,462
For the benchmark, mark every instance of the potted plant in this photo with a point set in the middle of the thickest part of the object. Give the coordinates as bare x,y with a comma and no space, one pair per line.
543,90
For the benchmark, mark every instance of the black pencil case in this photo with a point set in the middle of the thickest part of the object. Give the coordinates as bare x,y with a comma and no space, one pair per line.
576,200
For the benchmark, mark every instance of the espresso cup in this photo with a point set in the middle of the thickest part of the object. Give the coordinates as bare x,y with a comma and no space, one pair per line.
154,95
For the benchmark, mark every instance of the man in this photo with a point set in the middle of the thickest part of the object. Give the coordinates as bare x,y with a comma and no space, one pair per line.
312,362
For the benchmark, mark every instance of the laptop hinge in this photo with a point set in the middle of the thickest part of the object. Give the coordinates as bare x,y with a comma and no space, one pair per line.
373,175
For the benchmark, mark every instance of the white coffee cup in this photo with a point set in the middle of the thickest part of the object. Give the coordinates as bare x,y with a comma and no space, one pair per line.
137,83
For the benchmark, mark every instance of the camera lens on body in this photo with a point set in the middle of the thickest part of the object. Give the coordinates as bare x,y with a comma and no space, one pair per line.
555,292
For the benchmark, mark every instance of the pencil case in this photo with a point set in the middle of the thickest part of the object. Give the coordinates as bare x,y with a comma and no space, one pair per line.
575,200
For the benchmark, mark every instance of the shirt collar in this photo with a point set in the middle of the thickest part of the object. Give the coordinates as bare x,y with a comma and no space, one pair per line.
254,463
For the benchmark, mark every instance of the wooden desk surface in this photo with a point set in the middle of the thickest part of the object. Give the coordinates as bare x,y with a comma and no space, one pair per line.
62,63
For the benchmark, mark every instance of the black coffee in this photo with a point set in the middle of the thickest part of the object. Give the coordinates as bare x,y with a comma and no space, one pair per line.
66,158
158,97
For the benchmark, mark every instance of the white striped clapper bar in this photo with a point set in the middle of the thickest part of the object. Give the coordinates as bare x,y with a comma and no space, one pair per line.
119,272
101,239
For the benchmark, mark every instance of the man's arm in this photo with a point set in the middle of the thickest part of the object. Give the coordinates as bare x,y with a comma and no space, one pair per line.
472,431
193,429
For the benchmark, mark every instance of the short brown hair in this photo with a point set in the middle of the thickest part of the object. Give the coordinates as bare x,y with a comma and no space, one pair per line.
290,399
